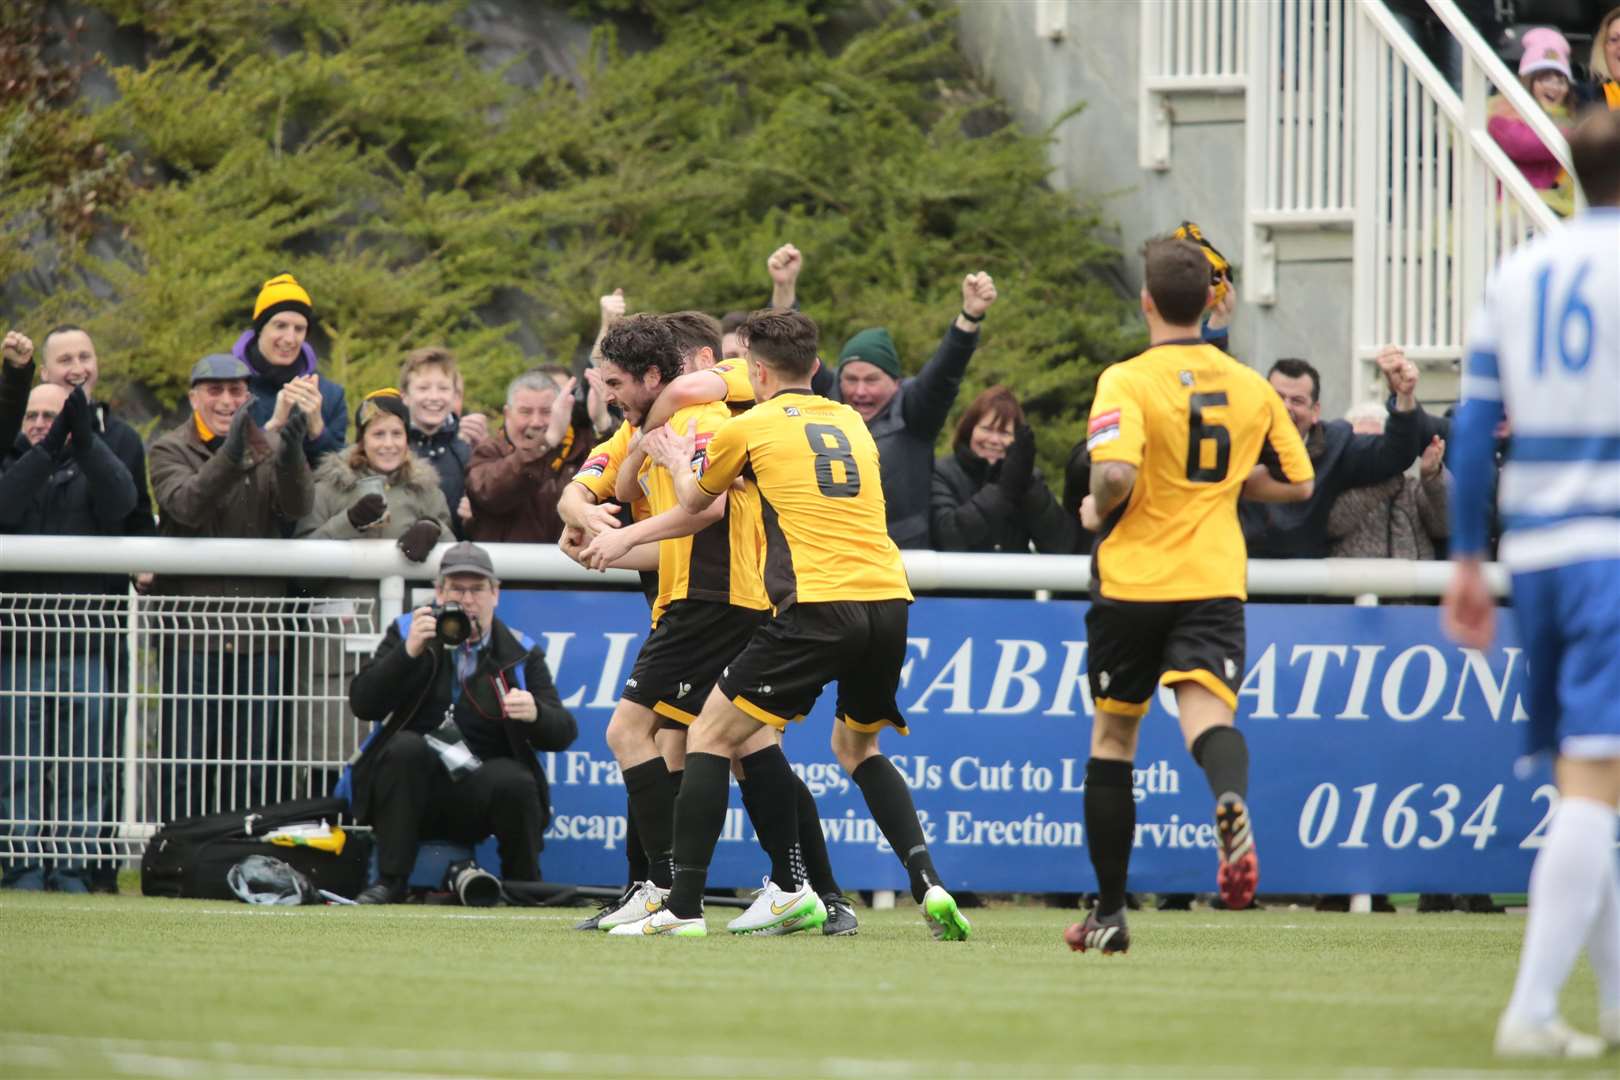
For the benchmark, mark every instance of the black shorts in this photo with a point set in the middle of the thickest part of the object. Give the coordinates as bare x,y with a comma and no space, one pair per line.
680,660
859,643
1135,646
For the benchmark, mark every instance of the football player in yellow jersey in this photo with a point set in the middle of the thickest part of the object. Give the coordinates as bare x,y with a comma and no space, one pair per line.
711,602
712,390
1175,436
841,599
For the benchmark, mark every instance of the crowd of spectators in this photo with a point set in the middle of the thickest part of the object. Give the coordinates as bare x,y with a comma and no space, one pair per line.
1556,82
263,452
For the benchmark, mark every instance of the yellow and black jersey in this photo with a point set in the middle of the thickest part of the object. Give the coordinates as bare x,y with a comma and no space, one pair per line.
600,472
1193,422
722,562
820,494
739,391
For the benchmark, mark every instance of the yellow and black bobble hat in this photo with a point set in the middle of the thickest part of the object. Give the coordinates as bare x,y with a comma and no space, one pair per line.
281,293
386,400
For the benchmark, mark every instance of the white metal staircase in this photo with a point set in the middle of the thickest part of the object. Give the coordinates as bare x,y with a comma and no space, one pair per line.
1355,148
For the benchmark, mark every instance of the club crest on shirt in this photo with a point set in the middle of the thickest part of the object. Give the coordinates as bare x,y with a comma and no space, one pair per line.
1186,378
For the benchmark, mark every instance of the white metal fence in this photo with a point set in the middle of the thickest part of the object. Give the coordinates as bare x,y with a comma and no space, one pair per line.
121,712
1356,147
1440,203
1190,49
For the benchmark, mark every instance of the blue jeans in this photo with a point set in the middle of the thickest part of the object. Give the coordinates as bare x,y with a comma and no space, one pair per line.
224,733
58,745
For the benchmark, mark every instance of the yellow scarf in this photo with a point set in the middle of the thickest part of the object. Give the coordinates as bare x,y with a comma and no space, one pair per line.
1611,94
202,429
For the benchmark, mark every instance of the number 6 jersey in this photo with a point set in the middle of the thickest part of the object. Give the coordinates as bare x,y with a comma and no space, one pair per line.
816,467
1193,422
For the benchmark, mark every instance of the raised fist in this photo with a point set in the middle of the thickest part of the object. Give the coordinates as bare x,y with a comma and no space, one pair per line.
978,293
19,349
612,307
784,265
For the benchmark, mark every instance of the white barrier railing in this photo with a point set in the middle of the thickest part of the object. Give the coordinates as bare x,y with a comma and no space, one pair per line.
120,712
1298,131
1187,47
1357,148
929,571
1440,203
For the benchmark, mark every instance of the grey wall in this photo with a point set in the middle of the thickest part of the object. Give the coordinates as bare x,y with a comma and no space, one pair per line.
1095,157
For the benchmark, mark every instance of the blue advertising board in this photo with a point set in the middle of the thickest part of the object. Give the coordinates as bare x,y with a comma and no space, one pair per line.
1382,755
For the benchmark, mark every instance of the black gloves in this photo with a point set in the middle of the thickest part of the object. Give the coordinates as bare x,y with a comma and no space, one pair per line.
418,541
56,438
236,439
1018,467
368,511
292,435
83,420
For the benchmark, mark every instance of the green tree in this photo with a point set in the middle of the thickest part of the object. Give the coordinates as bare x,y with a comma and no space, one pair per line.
424,198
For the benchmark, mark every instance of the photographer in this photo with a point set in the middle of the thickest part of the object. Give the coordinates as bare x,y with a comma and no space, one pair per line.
462,718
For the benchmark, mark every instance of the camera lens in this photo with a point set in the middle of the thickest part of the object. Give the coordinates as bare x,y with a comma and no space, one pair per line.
454,625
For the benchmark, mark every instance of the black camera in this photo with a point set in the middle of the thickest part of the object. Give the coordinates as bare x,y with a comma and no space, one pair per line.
454,624
472,884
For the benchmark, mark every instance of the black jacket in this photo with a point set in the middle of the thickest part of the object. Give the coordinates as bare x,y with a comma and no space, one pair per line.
906,430
1343,460
413,694
15,384
125,443
971,512
450,455
83,491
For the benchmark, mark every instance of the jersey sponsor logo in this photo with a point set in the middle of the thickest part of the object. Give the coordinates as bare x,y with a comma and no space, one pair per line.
595,466
791,410
1104,428
1186,377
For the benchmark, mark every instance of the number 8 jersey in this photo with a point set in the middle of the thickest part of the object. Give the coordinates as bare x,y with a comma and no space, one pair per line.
821,497
1193,422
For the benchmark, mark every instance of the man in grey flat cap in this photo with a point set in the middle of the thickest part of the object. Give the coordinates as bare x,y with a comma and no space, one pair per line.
220,475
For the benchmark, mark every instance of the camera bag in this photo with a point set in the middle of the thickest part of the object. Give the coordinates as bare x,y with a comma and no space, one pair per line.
190,858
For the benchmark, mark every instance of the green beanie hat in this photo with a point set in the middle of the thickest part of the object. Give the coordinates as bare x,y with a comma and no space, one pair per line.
873,346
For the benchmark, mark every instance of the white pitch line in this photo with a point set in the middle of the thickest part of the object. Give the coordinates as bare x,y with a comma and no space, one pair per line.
182,1060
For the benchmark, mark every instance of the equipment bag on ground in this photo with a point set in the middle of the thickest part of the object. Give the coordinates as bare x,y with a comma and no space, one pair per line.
191,857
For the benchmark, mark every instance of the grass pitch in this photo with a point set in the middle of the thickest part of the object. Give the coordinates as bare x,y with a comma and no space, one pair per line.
99,986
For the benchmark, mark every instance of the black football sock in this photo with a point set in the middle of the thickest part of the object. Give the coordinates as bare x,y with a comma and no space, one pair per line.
634,853
1223,754
773,806
896,815
700,814
813,843
1110,829
652,800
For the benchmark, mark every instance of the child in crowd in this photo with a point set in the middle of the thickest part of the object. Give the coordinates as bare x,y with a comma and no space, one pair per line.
1545,72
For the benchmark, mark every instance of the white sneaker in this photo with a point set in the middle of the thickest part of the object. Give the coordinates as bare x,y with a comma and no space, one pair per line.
777,911
662,921
1553,1039
642,902
1609,1027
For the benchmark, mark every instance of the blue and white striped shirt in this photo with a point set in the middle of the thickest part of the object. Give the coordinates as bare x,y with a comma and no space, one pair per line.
1544,352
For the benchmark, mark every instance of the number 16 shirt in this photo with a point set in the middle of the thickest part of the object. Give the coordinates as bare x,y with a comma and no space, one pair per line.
1193,422
821,498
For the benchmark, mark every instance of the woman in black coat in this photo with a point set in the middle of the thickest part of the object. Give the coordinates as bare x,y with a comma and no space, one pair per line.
987,493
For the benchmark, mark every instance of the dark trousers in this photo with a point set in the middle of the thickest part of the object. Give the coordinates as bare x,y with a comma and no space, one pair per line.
223,734
413,799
